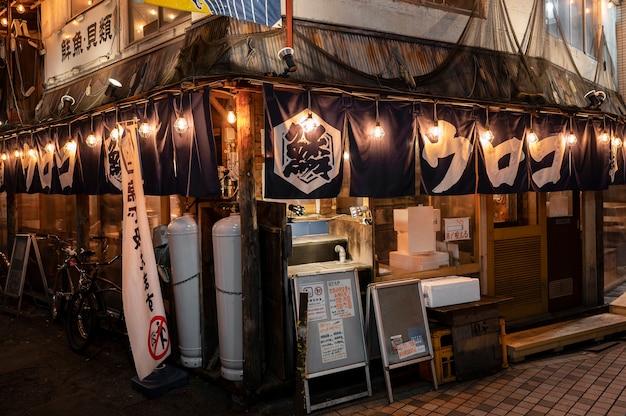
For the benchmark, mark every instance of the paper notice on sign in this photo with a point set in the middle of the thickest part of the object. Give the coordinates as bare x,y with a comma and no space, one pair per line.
332,341
407,349
456,229
316,307
340,299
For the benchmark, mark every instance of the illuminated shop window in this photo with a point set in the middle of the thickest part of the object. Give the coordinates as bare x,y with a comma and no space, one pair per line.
574,21
146,19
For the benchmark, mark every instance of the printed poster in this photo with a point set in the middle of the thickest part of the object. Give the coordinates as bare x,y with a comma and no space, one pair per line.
316,307
340,299
332,341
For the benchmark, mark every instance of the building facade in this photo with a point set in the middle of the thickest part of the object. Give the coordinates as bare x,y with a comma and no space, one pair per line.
527,155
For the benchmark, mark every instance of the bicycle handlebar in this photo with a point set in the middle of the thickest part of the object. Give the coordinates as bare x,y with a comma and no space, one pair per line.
105,263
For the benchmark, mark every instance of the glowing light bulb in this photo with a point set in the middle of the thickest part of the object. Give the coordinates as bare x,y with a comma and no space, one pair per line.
378,132
32,153
487,136
70,146
616,142
571,139
91,140
604,137
231,117
531,136
435,132
309,124
49,147
4,156
145,130
181,125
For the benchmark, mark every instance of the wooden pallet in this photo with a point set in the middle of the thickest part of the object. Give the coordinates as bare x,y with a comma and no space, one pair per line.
557,336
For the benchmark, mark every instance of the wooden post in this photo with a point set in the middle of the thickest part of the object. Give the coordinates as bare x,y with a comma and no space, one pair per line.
11,221
299,402
252,341
82,221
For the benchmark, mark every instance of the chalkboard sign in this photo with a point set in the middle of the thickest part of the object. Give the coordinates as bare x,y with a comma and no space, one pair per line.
334,331
17,269
401,325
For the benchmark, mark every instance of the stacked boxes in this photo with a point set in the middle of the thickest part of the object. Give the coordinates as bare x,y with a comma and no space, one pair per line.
417,228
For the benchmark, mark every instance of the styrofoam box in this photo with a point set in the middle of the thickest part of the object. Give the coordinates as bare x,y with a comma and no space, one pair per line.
418,262
416,228
450,290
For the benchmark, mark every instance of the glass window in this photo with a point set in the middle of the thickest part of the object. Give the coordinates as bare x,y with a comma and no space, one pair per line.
79,6
574,21
146,19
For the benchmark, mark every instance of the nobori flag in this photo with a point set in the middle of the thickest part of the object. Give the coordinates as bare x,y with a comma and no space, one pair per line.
265,12
141,291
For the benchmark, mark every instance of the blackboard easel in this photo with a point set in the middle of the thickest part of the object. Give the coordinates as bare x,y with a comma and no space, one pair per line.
335,339
401,324
17,269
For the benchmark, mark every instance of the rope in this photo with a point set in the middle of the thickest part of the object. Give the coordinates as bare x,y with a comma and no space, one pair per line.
187,279
227,292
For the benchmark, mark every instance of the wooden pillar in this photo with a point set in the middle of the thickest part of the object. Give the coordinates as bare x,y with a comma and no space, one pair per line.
82,221
249,245
593,258
11,221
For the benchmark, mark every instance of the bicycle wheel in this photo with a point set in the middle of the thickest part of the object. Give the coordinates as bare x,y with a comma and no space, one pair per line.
62,290
81,320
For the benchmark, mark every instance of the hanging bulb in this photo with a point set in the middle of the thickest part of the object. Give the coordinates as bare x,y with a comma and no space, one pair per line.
604,137
181,125
616,142
32,153
378,132
117,132
346,155
436,131
487,136
70,146
231,117
4,156
571,138
4,22
20,8
531,137
91,140
49,147
17,153
309,124
145,130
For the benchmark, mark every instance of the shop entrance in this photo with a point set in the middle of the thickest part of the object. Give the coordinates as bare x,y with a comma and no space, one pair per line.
564,251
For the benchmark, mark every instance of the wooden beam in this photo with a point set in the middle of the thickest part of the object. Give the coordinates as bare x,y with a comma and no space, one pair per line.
252,367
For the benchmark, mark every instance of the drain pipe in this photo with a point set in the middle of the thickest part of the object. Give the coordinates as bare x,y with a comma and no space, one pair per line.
342,253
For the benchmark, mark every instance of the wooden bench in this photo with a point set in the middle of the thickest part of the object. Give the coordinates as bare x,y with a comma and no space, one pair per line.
557,336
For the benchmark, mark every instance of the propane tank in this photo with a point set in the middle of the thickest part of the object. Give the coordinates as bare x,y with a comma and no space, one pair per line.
185,264
228,287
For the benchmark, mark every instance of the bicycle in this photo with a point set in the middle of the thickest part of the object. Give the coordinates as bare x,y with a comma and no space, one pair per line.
96,300
4,271
66,276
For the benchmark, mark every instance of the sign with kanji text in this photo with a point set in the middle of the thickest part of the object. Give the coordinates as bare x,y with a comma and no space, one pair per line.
456,229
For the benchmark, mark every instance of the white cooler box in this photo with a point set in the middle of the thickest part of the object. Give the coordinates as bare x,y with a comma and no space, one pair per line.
450,290
418,262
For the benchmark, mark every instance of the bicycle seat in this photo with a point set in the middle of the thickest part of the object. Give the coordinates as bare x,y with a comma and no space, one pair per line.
87,253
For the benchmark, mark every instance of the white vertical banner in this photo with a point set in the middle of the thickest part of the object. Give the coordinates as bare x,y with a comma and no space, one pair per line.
141,291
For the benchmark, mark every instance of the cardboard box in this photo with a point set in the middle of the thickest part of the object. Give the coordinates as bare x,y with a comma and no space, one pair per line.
450,290
418,262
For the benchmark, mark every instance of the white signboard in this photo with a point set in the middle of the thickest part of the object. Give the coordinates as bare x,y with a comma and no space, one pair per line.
88,40
456,229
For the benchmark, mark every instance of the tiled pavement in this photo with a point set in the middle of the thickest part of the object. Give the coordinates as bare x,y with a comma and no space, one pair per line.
587,380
